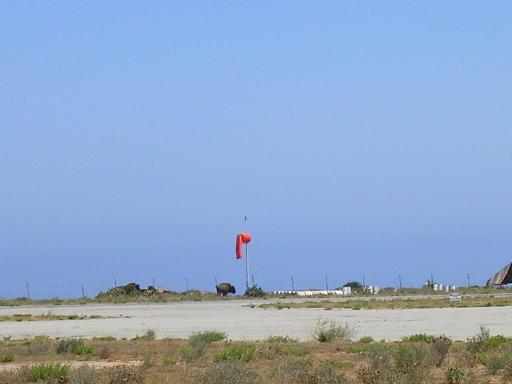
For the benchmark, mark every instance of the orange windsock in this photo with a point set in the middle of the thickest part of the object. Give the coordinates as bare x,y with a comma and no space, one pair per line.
241,238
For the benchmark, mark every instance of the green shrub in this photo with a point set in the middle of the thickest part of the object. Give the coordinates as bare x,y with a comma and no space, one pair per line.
68,345
48,372
75,346
6,358
475,344
206,337
104,338
238,352
495,341
419,338
366,340
454,375
254,291
149,335
84,349
281,340
188,354
327,331
413,361
169,361
494,360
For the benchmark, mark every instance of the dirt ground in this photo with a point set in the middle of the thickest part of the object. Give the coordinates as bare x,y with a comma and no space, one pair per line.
243,320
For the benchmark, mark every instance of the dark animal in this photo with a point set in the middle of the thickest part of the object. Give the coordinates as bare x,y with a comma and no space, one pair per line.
225,288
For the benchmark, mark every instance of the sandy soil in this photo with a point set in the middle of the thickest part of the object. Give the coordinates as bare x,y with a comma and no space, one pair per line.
10,367
239,321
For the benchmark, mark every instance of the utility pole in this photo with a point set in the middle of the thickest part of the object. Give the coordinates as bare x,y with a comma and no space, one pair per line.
154,283
364,283
83,292
468,280
186,283
326,283
28,290
400,280
293,285
115,283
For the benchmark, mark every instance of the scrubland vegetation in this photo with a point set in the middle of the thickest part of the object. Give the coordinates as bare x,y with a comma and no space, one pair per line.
210,358
398,303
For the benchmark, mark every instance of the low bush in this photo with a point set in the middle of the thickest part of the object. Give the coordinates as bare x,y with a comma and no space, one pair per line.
206,337
254,291
413,361
238,352
366,340
225,373
6,358
149,335
454,375
84,350
327,331
188,354
281,340
48,372
494,360
169,361
475,344
419,338
125,375
380,367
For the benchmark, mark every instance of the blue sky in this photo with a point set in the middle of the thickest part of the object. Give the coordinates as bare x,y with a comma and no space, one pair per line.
359,138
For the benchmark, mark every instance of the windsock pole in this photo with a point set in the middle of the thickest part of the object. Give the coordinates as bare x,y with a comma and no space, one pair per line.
246,257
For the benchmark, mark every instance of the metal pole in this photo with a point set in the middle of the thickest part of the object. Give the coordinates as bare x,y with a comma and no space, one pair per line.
246,257
247,266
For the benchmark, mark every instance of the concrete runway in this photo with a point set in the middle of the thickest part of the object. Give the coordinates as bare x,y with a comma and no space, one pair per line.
239,321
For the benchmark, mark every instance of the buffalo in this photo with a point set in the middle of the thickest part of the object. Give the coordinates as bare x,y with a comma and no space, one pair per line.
225,288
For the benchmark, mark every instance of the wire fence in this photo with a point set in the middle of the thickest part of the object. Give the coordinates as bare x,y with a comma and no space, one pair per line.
279,282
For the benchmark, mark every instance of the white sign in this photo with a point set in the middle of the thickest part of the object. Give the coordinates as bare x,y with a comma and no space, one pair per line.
455,296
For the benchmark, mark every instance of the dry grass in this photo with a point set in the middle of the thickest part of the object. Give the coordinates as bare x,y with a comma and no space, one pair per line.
196,295
279,360
409,303
47,317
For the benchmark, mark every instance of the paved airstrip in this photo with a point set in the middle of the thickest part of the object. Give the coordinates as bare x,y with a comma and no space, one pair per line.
242,321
